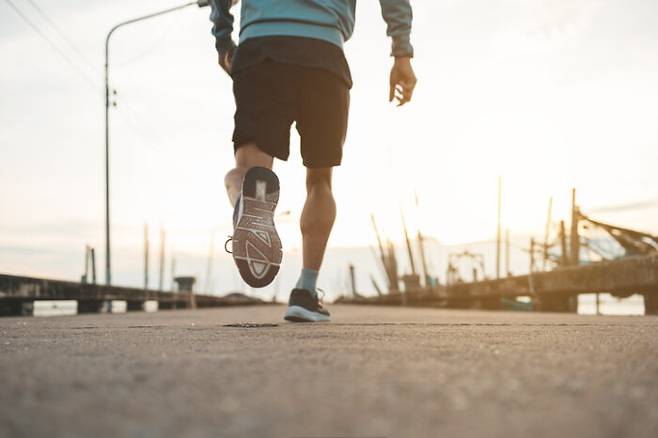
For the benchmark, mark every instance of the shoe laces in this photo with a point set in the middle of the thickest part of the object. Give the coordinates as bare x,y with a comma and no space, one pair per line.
230,239
319,291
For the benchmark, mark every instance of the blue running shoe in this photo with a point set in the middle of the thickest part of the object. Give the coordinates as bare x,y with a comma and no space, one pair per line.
304,306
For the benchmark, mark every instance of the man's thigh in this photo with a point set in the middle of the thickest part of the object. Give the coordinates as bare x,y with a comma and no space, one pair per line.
265,108
323,107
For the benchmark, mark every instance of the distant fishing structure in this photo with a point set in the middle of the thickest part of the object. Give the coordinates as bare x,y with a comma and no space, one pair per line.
592,257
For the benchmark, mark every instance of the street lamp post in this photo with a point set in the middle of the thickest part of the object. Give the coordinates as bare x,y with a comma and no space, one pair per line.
108,258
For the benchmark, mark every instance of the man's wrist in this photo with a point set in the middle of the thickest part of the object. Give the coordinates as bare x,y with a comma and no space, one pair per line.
225,46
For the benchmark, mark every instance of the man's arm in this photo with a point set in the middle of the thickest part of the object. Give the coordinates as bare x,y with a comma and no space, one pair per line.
222,28
398,16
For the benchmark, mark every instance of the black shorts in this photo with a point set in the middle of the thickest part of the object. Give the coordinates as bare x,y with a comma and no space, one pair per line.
269,96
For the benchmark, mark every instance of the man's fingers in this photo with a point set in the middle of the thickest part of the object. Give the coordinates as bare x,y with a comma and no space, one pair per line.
403,94
402,98
408,90
401,91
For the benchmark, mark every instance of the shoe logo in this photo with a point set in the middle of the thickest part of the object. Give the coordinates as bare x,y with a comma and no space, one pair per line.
256,259
264,236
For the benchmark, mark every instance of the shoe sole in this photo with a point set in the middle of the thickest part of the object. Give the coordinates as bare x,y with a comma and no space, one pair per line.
300,314
256,245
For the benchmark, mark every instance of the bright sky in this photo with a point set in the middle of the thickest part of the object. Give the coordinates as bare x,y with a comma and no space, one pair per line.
549,94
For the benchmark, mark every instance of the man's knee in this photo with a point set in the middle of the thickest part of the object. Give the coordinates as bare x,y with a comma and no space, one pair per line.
249,155
318,179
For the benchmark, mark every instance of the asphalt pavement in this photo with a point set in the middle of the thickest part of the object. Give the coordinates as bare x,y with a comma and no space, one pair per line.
371,372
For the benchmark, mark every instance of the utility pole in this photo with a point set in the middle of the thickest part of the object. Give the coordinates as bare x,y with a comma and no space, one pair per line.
108,104
498,229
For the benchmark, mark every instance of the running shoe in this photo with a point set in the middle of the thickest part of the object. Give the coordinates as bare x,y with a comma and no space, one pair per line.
256,246
304,306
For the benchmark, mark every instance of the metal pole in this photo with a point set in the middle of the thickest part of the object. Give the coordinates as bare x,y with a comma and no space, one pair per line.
108,246
108,255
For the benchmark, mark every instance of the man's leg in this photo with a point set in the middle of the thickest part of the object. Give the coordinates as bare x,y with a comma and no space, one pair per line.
317,220
317,217
254,190
246,157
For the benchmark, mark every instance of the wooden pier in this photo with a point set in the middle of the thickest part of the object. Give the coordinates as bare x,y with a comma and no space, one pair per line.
548,291
17,293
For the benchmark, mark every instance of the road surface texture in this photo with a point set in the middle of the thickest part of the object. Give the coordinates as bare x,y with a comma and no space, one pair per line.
372,372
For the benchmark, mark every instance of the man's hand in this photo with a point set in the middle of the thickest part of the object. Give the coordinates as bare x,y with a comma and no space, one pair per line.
403,81
224,60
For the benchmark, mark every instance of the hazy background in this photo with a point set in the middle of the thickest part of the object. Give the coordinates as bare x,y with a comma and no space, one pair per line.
549,94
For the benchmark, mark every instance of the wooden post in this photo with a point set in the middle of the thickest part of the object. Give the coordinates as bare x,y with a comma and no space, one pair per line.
508,271
531,281
375,285
93,266
382,253
162,260
146,256
498,229
408,242
564,256
546,233
85,275
172,285
574,239
211,255
392,264
352,280
423,259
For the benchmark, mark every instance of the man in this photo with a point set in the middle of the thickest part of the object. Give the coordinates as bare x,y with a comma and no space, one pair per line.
289,67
